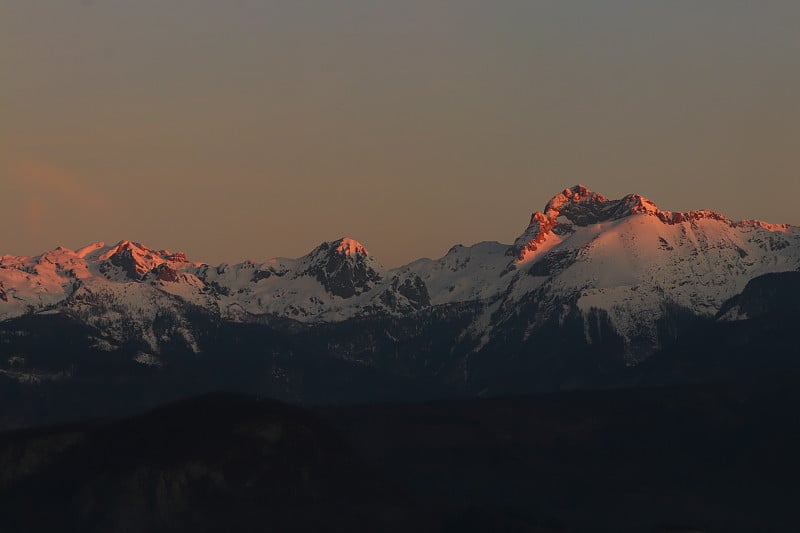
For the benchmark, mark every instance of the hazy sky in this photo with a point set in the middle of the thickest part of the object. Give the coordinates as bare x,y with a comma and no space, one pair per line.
252,129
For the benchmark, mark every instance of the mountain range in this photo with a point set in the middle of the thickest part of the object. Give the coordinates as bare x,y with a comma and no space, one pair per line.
590,289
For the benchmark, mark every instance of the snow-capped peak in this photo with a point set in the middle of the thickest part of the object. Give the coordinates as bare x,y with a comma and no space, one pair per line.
348,246
86,250
582,207
622,256
343,267
137,259
577,206
344,248
576,194
574,202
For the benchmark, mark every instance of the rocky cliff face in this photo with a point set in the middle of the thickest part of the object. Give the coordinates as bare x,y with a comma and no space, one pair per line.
344,268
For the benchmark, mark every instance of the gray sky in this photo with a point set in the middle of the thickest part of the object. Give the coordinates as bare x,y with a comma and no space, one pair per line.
252,129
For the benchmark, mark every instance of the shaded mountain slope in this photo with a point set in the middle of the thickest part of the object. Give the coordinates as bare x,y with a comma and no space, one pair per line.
213,463
714,458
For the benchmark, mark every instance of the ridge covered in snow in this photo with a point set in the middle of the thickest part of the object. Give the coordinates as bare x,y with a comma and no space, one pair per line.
578,206
582,253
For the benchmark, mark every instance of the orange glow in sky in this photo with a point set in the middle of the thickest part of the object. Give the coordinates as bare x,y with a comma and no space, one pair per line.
252,129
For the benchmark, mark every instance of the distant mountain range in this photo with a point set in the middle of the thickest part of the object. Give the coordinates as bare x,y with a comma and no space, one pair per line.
590,288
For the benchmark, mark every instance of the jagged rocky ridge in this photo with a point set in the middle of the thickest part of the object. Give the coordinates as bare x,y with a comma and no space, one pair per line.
587,274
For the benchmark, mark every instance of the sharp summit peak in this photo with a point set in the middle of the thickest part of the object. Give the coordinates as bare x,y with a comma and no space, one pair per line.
348,246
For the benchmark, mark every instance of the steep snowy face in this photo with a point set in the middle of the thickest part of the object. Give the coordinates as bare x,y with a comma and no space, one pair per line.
632,260
575,205
578,207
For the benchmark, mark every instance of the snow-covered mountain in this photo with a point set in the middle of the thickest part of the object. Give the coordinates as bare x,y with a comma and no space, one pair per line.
625,259
592,293
630,259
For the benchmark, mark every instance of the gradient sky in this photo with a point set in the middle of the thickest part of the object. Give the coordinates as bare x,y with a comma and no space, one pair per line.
251,129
